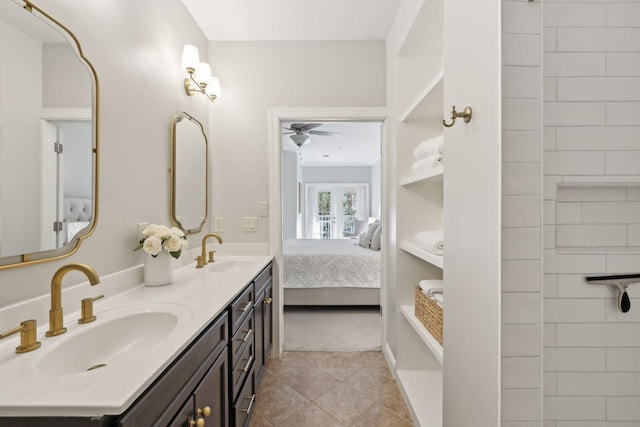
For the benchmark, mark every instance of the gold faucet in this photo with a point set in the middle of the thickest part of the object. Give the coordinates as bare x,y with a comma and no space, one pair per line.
202,259
55,314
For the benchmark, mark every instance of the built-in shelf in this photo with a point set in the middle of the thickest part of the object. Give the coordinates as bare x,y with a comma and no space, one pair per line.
432,176
413,249
428,105
408,311
423,390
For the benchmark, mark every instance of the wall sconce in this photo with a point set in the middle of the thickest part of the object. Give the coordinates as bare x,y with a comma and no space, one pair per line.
200,79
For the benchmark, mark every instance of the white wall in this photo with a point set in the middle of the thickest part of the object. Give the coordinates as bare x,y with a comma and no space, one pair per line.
136,48
591,134
290,181
21,62
256,76
376,189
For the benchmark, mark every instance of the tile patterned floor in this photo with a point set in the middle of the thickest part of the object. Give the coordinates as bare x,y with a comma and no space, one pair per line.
326,389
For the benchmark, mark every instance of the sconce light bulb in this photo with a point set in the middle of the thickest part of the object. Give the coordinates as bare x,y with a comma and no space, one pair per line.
190,57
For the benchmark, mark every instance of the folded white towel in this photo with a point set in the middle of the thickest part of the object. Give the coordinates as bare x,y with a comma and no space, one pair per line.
431,241
429,147
433,289
428,163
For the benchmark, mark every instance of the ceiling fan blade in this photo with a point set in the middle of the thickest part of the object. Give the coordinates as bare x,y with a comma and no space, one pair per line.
324,133
288,133
310,126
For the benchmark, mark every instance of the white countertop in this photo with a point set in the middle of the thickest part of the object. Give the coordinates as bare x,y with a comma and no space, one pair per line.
199,295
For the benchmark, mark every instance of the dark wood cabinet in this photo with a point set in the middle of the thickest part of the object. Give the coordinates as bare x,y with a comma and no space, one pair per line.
263,320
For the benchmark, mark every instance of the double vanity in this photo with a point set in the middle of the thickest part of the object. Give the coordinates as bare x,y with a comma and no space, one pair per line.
187,354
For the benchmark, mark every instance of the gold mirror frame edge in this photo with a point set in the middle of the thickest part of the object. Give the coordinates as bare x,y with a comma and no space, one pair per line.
30,259
172,168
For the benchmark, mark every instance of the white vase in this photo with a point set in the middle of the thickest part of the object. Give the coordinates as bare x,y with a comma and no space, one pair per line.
158,270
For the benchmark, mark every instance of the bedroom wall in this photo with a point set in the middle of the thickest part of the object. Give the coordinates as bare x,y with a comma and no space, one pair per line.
289,194
256,76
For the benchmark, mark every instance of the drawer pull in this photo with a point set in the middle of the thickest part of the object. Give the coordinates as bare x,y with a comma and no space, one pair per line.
253,398
246,368
196,423
268,301
205,412
246,337
246,307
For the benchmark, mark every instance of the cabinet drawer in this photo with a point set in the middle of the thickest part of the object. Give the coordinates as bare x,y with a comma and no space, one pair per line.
263,279
241,339
242,368
241,308
244,405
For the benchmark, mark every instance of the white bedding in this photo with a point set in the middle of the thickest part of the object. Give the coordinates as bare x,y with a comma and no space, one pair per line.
323,263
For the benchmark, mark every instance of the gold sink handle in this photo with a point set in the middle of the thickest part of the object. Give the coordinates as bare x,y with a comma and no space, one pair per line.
28,338
87,310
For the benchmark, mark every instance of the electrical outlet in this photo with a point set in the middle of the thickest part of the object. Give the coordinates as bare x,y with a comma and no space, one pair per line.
141,227
218,224
264,209
250,224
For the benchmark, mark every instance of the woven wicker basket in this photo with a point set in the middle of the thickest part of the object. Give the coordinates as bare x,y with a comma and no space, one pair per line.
430,314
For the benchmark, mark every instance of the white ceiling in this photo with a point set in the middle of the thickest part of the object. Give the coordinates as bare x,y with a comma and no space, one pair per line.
293,19
358,144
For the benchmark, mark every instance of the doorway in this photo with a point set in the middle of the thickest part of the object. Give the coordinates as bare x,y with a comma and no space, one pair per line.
287,223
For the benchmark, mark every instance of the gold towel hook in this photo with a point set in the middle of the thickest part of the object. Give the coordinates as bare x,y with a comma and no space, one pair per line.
466,115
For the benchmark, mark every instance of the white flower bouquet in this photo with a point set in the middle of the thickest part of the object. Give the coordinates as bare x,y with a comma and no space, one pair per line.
160,237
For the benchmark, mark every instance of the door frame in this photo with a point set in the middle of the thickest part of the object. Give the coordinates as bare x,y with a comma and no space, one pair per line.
275,118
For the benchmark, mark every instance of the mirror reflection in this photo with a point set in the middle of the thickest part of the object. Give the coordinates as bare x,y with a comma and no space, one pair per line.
48,137
189,173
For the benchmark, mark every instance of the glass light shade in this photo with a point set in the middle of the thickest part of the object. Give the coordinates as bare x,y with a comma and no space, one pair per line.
190,57
203,73
299,139
213,89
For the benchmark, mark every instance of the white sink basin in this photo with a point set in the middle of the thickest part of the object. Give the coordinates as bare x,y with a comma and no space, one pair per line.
231,264
117,337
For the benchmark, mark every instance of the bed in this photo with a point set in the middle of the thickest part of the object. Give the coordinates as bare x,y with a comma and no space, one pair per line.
330,272
77,213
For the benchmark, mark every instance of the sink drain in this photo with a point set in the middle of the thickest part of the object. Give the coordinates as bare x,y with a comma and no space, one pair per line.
99,365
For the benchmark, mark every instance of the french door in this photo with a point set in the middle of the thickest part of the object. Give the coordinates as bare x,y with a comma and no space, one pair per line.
334,210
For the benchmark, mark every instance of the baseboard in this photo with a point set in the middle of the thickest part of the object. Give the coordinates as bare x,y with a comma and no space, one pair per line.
391,360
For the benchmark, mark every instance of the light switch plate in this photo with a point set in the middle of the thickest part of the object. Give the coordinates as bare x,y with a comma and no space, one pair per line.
264,209
250,224
218,224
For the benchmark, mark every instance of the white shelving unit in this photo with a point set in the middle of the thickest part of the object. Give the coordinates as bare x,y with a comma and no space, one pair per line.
408,311
413,249
417,83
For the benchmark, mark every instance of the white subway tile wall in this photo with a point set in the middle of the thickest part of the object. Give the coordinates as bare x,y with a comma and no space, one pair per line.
522,231
591,68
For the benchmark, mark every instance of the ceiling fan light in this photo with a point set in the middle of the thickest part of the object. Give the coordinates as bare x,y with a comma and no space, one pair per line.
299,139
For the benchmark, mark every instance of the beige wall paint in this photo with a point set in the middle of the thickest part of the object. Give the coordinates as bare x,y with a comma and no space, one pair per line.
136,49
256,76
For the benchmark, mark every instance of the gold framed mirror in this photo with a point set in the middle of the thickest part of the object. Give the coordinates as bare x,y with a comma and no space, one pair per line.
49,127
189,206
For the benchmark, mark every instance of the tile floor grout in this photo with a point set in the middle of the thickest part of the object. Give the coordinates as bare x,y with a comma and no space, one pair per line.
309,389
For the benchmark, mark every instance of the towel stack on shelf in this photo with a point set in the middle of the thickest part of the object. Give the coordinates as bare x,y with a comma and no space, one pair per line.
431,241
429,156
434,290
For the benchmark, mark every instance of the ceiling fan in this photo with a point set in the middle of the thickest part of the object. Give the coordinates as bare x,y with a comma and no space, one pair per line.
300,132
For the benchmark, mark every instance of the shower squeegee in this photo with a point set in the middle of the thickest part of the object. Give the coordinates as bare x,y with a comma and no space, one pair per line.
620,281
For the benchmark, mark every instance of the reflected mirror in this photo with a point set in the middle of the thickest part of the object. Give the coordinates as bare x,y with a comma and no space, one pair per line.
48,138
189,173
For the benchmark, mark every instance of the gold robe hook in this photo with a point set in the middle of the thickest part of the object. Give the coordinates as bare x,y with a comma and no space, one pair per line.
465,114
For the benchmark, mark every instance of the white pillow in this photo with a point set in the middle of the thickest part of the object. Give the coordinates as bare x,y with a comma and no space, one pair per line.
375,239
365,240
372,228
